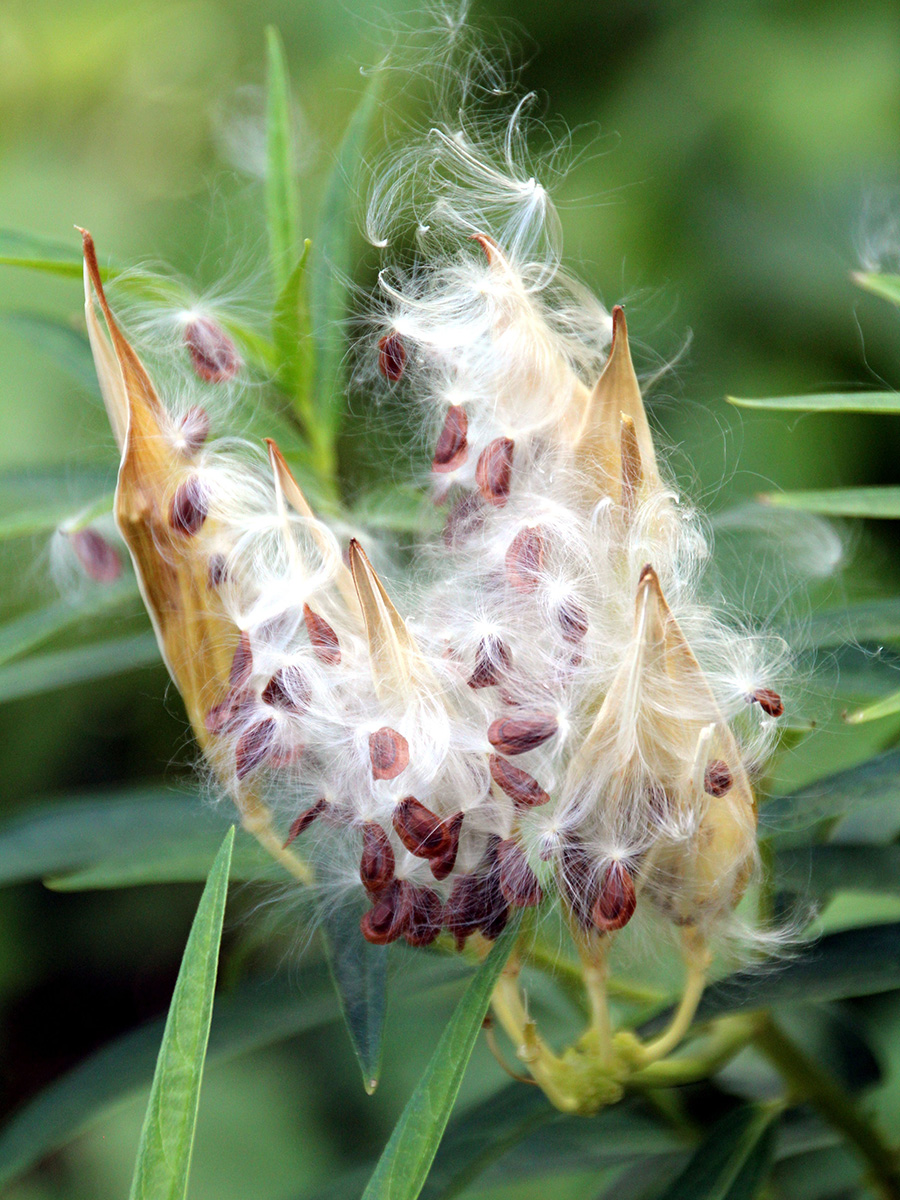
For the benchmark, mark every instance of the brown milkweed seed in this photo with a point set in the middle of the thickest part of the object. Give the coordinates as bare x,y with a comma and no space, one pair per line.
194,428
387,919
242,663
288,689
388,752
391,357
493,471
465,517
303,822
452,447
463,911
518,882
521,787
99,559
376,868
189,507
770,702
573,621
616,903
212,351
717,778
420,830
491,658
254,746
577,882
425,916
215,571
443,862
516,735
525,558
322,637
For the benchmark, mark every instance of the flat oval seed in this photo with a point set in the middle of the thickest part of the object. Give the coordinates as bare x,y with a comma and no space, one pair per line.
289,690
493,471
189,507
516,735
770,702
525,559
491,658
518,882
388,918
376,868
388,752
573,621
443,862
452,447
616,903
420,830
98,558
521,787
303,822
254,747
322,637
717,778
391,357
212,351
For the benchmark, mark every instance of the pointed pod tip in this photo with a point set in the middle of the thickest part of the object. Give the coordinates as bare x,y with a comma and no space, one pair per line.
370,1085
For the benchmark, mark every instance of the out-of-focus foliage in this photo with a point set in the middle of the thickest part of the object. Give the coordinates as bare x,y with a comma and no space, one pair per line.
733,164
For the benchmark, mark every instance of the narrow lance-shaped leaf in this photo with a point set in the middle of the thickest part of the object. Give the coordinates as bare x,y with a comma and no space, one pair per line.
292,335
38,253
732,1161
68,348
821,870
888,707
876,503
167,1139
885,286
63,668
833,402
403,1167
281,191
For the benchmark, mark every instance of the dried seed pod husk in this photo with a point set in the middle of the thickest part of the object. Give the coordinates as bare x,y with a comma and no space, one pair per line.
616,902
491,659
525,559
189,507
302,823
493,471
717,778
212,351
322,637
391,357
517,881
521,787
388,753
521,733
376,868
254,746
425,916
98,558
770,702
452,448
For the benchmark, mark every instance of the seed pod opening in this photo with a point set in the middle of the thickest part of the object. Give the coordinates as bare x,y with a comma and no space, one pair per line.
615,905
322,637
517,735
388,753
521,787
493,472
452,447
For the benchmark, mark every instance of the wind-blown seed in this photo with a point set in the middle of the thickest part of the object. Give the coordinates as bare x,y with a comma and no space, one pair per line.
521,787
98,558
254,747
189,507
194,428
302,823
289,690
577,882
322,637
388,753
517,881
493,472
573,621
212,351
491,659
525,559
770,702
615,905
452,448
376,868
391,357
717,778
516,735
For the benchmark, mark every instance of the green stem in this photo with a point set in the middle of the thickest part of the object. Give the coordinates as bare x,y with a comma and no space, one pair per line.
808,1082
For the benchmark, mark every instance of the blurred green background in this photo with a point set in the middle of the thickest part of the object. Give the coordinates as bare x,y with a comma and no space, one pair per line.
738,161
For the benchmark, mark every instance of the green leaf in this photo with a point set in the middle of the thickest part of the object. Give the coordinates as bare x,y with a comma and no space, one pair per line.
868,621
25,633
400,509
359,970
854,962
887,707
332,264
18,249
281,192
877,503
254,1016
46,516
837,402
61,342
821,870
167,1138
292,335
872,786
63,668
403,1167
885,286
732,1161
